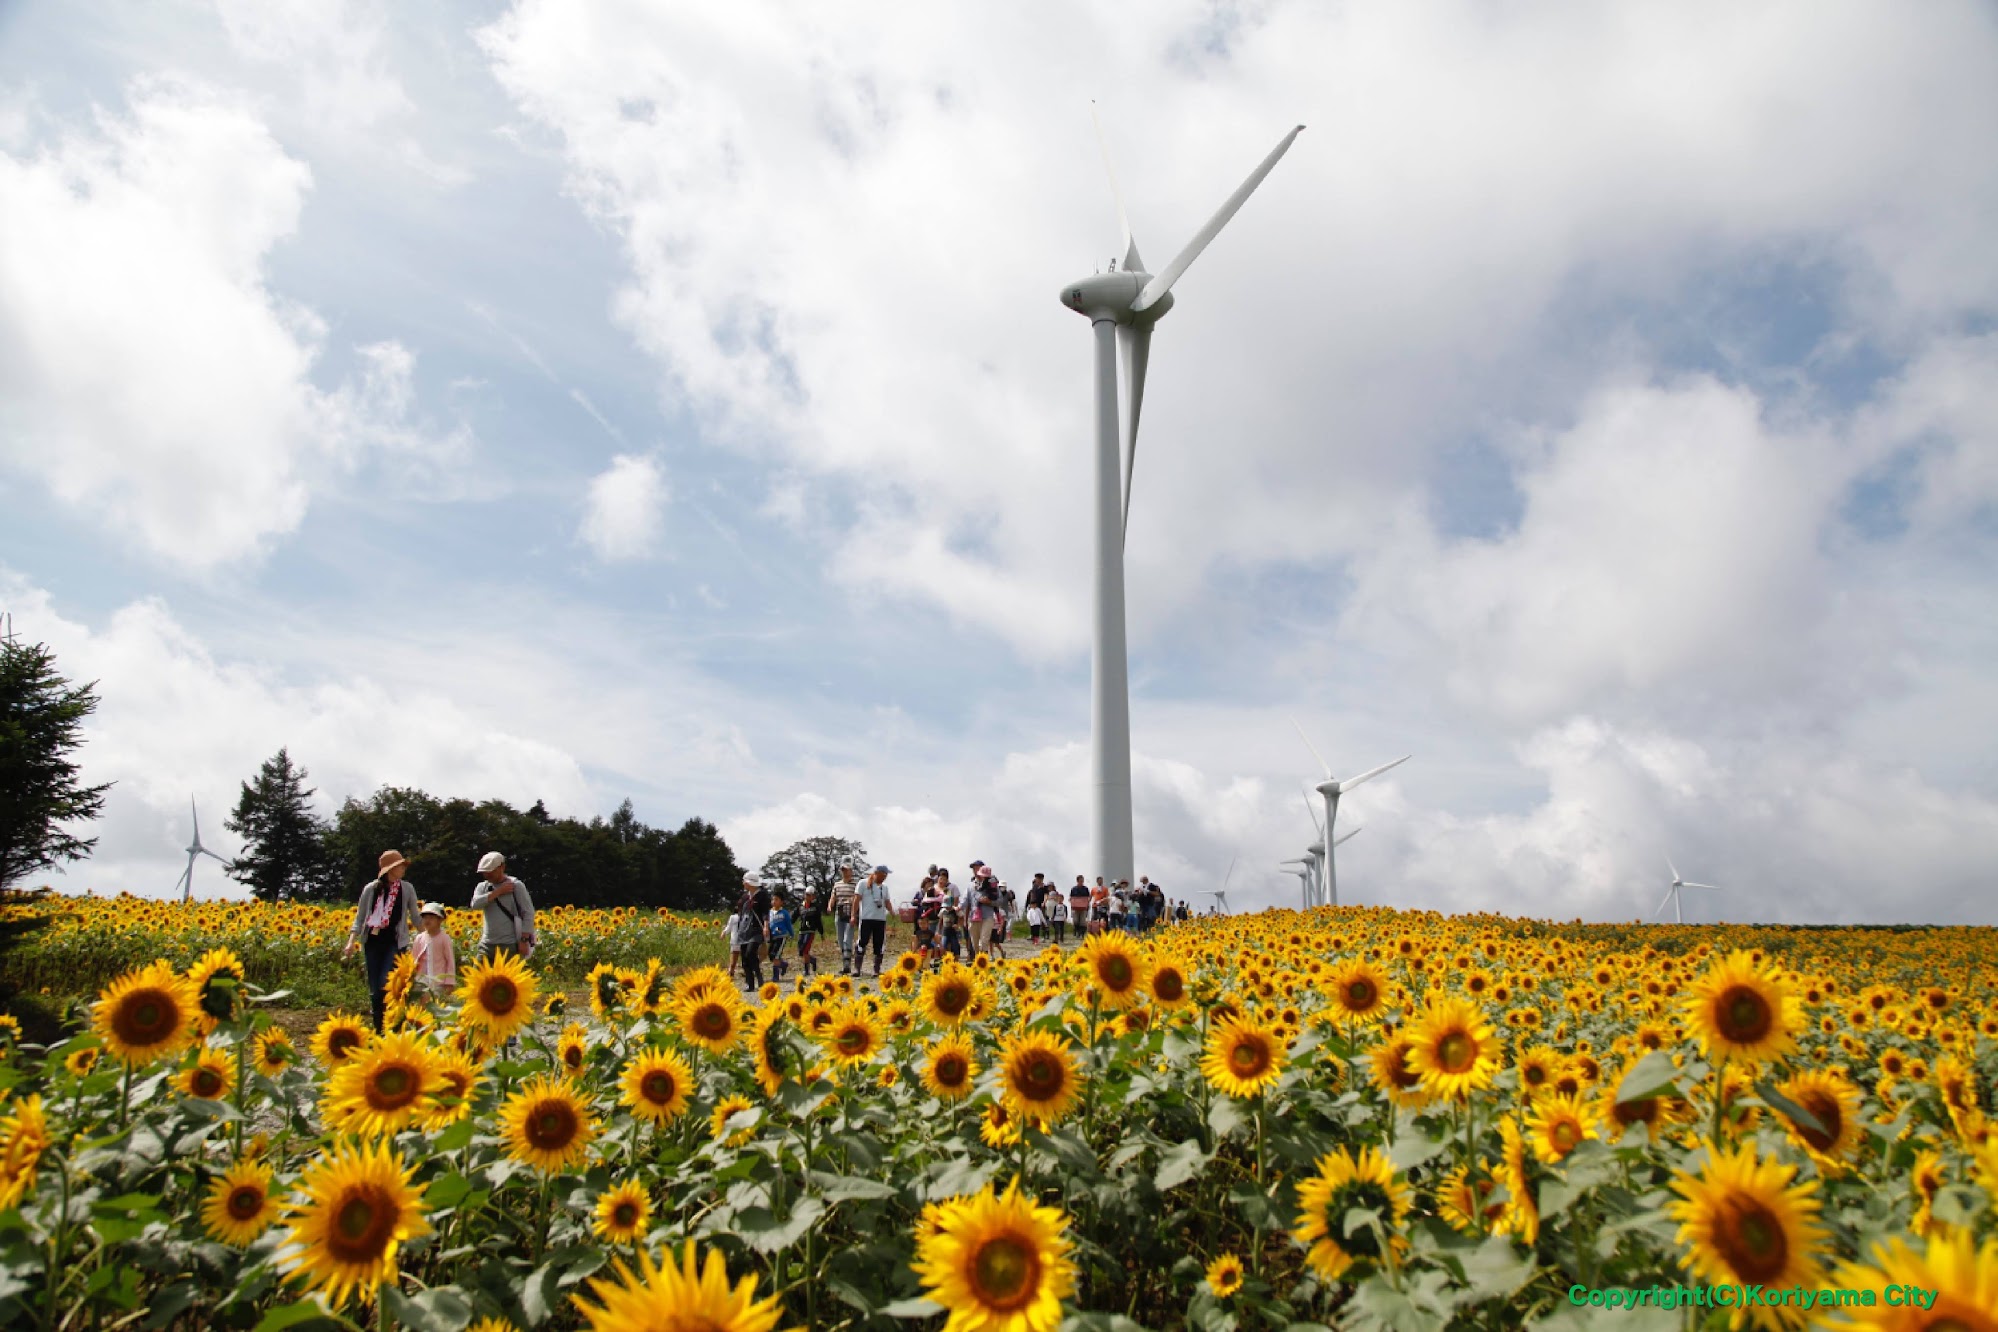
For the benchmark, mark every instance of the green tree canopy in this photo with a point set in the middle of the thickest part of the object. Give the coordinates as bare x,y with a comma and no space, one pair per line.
813,863
41,722
285,854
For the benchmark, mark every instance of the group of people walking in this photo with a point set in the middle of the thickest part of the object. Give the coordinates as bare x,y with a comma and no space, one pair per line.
948,920
390,921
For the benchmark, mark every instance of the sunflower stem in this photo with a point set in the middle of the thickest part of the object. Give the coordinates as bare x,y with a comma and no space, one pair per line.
242,1087
125,1097
1720,1099
57,1241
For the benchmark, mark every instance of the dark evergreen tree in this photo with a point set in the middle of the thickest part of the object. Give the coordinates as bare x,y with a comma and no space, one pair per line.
286,856
41,721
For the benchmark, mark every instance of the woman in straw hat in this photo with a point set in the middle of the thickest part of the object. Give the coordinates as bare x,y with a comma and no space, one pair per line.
382,922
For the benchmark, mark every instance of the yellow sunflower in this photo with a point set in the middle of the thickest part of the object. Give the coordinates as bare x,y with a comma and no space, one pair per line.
606,995
1962,1273
1345,1182
547,1125
1560,1124
381,1087
624,1214
949,995
572,1050
1359,992
1656,1113
1116,967
1925,1181
1744,1220
1464,1201
1834,1103
1743,1011
1000,1127
1170,981
775,1059
272,1053
997,1262
676,1295
217,980
1243,1057
239,1206
24,1136
455,1080
497,997
1521,1214
656,1084
854,1035
1039,1077
1389,1068
1224,1276
210,1077
81,1062
711,1021
354,1208
718,1128
1452,1048
338,1036
1539,1066
146,1014
948,1068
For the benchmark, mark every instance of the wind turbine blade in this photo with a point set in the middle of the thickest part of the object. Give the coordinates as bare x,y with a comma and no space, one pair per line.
1709,886
1347,838
1674,868
1132,263
1229,875
1135,341
1352,782
1162,284
1662,905
182,883
212,856
1308,745
1309,809
197,821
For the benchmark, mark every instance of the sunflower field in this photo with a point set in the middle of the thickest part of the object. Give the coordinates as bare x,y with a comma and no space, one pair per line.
1347,1118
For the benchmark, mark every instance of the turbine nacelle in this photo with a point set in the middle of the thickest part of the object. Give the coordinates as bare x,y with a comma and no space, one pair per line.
1114,296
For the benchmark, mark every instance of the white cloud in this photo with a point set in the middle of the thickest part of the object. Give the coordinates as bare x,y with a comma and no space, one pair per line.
625,512
148,373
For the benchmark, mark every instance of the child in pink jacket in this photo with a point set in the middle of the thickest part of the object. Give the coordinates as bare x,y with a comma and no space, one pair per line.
436,956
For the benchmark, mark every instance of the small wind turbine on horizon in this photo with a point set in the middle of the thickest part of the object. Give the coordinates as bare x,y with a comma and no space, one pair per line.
1672,898
1122,306
1220,895
1332,789
195,848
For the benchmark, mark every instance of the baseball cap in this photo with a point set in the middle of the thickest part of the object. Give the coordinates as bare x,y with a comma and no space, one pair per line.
432,909
883,869
491,861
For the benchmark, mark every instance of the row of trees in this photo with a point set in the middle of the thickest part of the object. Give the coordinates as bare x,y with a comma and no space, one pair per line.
291,854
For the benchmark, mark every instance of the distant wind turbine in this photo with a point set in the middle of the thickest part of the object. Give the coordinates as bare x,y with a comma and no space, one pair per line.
1332,789
1122,307
195,848
1220,895
1672,894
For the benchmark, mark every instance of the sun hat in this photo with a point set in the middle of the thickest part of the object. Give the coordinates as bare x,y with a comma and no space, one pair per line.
753,879
391,860
491,861
432,909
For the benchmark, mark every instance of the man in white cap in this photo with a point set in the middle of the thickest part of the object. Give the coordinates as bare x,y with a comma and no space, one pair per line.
752,929
509,926
875,904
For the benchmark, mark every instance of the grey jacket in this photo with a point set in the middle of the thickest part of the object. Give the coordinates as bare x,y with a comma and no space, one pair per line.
509,918
405,916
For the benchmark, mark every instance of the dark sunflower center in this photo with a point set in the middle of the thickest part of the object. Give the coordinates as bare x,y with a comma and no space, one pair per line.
1249,1057
1751,1239
1825,1110
1041,1075
552,1126
364,1218
1399,1072
1635,1112
145,1017
1169,985
852,1040
1005,1272
951,1070
499,996
342,1041
1115,973
1534,1075
1743,1015
712,1021
952,998
393,1086
658,1086
625,1215
1565,1135
206,1082
1456,1052
1359,995
245,1201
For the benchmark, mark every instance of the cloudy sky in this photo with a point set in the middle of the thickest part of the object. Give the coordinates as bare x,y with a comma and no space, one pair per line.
591,399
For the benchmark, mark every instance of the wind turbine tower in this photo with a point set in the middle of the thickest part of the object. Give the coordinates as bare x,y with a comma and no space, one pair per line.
195,849
1122,306
1331,789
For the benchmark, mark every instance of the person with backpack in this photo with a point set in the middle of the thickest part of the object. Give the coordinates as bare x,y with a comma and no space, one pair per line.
875,904
811,924
780,931
509,911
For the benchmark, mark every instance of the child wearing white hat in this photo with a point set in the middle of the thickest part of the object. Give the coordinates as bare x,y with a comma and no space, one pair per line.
436,955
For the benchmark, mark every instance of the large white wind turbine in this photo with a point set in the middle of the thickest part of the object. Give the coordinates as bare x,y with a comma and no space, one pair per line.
1332,789
195,848
1122,305
1672,894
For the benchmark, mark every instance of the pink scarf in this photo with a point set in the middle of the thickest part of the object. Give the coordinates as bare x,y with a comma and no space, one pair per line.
385,904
